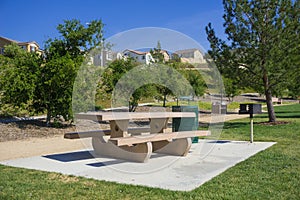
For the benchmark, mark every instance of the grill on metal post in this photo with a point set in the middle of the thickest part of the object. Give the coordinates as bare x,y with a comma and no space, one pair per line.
250,109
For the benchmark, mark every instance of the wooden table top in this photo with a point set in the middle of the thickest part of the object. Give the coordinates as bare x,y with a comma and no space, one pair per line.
108,116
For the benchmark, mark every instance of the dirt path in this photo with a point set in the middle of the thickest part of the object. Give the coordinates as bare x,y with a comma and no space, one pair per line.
37,146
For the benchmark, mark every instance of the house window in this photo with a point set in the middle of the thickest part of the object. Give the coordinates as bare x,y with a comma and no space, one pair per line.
143,57
109,55
32,49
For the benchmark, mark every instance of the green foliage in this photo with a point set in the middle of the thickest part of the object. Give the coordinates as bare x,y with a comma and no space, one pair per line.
232,88
63,58
85,87
196,81
130,82
262,51
76,39
37,84
157,54
114,72
18,77
55,86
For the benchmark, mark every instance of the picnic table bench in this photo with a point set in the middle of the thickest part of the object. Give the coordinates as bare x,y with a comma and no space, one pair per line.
137,144
276,100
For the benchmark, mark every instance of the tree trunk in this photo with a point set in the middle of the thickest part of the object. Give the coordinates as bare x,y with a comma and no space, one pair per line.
268,93
271,112
165,99
132,106
48,118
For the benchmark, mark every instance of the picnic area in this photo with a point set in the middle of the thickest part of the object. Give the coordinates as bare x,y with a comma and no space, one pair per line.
271,173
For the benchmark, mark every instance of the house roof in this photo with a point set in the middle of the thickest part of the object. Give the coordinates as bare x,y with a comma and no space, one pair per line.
164,51
185,60
31,42
9,40
186,51
20,43
135,52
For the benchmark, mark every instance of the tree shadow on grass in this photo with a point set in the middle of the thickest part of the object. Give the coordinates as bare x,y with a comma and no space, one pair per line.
231,125
226,125
284,115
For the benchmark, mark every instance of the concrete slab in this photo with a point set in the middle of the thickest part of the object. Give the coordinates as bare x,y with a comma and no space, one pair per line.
206,159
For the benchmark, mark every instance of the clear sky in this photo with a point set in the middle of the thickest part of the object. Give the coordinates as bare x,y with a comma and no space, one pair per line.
28,20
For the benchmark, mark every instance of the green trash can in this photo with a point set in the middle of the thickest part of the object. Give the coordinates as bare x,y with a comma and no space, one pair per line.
186,124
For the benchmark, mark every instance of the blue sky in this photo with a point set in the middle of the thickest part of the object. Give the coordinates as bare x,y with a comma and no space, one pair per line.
27,20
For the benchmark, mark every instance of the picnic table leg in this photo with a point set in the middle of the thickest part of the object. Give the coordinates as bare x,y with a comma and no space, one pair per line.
137,153
178,147
157,125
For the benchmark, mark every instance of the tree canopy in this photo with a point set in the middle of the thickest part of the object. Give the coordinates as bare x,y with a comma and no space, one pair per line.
262,47
44,83
19,72
63,57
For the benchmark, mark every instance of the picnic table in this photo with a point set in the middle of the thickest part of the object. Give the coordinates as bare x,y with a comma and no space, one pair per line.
137,144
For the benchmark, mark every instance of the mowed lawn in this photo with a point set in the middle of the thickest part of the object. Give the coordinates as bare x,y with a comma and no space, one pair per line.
271,174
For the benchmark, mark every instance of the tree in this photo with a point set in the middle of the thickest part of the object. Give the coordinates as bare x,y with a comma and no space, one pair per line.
113,73
18,76
76,39
196,81
145,91
63,58
232,88
157,54
262,50
56,86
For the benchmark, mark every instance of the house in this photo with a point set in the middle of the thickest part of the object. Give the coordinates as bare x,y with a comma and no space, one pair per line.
166,55
139,56
104,57
192,56
31,46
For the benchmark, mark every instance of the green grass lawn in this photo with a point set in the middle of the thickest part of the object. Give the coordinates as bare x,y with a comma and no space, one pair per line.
271,174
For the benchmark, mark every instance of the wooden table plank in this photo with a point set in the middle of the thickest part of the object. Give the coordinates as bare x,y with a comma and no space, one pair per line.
108,116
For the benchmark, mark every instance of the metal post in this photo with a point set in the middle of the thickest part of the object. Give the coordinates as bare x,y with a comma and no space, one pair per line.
251,128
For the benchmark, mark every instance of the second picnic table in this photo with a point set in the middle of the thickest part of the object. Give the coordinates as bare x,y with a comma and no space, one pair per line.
137,144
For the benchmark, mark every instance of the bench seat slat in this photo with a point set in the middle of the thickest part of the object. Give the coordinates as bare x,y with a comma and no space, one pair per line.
121,141
85,134
95,133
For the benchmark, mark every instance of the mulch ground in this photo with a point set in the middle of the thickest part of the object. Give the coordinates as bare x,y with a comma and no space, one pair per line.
22,130
30,128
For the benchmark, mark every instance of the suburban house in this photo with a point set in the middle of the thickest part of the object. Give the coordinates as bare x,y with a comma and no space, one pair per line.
31,46
104,57
191,56
166,55
139,56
